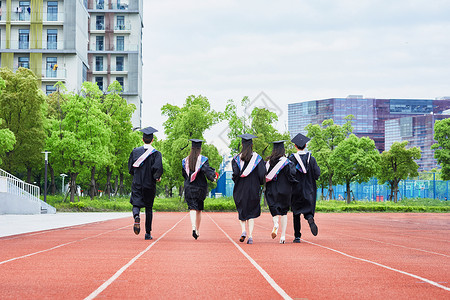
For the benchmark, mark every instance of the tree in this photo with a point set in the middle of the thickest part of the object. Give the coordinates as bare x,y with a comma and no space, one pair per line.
7,138
354,159
184,123
22,110
80,139
442,147
324,140
260,123
398,164
123,139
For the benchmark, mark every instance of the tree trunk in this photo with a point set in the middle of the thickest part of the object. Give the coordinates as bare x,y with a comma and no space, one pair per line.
73,186
108,189
52,180
396,190
29,174
121,188
349,196
93,190
116,185
330,187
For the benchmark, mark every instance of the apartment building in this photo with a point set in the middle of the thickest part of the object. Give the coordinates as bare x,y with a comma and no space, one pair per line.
75,41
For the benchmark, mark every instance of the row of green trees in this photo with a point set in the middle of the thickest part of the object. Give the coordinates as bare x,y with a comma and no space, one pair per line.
90,136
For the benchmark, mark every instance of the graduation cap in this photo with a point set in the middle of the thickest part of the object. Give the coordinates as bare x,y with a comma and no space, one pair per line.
278,144
247,138
196,143
148,131
300,140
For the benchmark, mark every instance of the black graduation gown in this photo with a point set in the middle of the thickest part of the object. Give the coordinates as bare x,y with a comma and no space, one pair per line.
195,192
279,190
143,188
247,190
304,194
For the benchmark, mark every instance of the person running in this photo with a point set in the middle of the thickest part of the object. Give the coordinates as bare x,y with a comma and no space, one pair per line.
145,165
195,171
280,176
304,193
248,176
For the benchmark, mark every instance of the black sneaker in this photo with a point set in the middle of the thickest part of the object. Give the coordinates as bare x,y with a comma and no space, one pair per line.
296,240
148,236
194,234
313,226
137,225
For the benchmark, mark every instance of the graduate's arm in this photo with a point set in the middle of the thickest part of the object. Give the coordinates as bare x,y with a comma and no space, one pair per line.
236,171
316,168
209,171
291,171
261,169
130,164
183,171
157,168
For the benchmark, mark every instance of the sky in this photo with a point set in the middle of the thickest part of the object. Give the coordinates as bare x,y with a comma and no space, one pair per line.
281,52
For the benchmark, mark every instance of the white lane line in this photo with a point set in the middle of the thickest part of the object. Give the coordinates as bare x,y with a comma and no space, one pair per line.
121,270
266,276
61,245
396,245
383,266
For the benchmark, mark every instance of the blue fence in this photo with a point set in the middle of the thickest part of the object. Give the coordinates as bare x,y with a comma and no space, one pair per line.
369,191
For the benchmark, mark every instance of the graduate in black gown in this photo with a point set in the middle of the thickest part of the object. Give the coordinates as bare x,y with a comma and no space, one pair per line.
280,177
145,165
248,176
304,193
196,170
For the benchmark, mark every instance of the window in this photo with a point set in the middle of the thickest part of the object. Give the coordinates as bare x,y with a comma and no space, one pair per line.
24,38
120,80
24,10
52,67
120,43
49,89
100,22
99,63
100,4
52,11
120,23
99,81
99,43
119,63
52,38
24,62
0,10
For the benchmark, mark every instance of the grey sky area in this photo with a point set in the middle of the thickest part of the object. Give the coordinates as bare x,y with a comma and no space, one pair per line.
292,51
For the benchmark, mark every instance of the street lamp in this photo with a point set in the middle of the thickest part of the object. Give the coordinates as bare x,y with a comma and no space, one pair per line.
45,177
62,186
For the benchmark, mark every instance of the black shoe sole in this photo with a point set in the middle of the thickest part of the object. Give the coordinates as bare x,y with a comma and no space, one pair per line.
313,227
194,234
137,226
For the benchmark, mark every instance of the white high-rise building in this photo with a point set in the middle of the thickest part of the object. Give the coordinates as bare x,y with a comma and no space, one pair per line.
76,40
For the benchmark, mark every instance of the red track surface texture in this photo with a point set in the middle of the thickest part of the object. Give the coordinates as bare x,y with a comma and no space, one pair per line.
355,256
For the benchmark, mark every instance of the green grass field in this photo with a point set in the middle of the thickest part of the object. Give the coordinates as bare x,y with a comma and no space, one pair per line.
227,204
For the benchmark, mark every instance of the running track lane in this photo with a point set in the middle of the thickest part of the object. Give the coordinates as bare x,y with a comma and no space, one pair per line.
339,263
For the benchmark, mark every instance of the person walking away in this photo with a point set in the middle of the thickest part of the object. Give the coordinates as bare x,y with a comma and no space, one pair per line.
145,165
248,176
304,193
280,177
196,170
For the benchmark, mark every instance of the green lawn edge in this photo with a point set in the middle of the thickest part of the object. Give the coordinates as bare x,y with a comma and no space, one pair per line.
226,204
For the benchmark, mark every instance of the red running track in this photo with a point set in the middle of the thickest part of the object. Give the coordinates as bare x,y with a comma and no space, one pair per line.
355,256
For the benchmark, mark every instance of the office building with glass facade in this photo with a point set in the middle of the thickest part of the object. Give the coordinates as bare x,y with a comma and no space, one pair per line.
370,114
419,132
76,41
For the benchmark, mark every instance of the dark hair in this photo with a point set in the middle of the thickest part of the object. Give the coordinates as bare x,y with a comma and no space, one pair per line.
147,138
247,152
275,156
192,158
300,148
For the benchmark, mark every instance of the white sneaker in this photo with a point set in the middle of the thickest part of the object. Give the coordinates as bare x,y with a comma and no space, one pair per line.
282,239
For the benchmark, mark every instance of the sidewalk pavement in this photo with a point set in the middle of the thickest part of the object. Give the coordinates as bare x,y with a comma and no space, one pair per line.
18,224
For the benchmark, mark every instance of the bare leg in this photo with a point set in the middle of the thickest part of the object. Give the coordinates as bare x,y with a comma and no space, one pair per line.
251,225
199,219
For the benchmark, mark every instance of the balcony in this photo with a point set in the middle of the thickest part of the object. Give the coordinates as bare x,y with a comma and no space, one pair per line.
54,76
122,27
113,5
25,45
112,48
